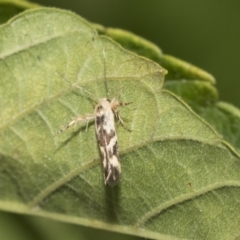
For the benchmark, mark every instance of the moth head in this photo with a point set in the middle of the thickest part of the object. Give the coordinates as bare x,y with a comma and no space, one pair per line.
103,103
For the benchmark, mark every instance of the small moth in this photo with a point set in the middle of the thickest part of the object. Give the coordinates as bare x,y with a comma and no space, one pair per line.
105,112
104,115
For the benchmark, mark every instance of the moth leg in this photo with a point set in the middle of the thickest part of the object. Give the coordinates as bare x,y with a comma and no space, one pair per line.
117,115
114,105
76,120
123,104
87,125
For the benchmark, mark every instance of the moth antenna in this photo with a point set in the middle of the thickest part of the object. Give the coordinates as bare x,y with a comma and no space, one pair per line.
105,71
75,85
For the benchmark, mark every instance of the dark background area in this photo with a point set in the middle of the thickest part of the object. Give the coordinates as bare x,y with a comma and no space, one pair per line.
204,33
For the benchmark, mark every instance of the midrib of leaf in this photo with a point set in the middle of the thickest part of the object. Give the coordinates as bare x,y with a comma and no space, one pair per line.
20,208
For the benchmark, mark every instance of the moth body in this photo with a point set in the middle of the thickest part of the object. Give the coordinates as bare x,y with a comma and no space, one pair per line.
107,139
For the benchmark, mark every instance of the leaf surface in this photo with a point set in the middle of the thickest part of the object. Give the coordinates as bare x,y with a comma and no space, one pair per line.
176,170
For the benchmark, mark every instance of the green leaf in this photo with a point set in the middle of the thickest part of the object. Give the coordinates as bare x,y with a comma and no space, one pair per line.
179,179
177,69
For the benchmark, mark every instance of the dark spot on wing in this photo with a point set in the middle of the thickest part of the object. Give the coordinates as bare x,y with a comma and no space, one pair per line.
100,120
99,107
110,153
109,136
115,149
101,141
104,138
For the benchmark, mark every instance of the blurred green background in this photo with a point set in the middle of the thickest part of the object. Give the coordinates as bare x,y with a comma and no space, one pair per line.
204,33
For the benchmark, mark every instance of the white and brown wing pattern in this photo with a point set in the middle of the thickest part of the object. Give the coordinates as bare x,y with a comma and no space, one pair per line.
107,140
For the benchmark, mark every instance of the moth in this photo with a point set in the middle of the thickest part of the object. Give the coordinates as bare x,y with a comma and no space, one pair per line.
105,113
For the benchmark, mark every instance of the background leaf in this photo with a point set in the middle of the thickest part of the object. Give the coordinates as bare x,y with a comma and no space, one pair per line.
177,171
10,8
